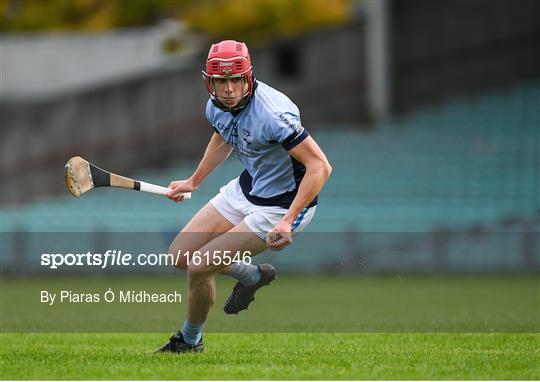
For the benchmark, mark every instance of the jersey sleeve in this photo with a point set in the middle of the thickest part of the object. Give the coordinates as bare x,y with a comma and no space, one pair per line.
287,129
210,115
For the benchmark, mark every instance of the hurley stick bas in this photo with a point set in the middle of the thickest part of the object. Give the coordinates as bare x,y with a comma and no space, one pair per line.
82,176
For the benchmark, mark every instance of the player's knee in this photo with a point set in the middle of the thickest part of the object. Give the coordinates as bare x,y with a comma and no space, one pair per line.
198,272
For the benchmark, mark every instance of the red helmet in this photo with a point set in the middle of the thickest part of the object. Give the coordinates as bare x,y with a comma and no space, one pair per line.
228,59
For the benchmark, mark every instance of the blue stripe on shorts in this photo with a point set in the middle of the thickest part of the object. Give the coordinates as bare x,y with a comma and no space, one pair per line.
298,220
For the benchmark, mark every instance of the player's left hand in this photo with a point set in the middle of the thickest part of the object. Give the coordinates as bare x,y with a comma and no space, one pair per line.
279,237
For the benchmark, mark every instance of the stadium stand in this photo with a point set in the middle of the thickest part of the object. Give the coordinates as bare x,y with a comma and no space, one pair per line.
464,169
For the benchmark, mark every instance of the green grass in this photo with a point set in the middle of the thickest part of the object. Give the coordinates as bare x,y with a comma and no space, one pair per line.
398,328
291,304
274,356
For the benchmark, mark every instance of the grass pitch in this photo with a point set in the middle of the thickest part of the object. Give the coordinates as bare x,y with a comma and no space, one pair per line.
273,356
406,328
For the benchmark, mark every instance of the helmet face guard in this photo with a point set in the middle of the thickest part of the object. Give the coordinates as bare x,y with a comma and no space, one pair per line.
229,59
241,100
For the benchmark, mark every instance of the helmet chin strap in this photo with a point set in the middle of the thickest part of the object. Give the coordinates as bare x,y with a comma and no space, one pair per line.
218,101
243,101
221,99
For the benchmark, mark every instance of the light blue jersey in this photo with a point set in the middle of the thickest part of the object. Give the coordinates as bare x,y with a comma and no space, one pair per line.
261,135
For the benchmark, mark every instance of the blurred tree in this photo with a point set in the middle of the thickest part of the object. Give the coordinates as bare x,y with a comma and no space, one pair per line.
246,20
89,15
34,15
264,20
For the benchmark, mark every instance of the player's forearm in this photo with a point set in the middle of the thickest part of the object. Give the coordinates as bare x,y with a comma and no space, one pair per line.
313,181
215,154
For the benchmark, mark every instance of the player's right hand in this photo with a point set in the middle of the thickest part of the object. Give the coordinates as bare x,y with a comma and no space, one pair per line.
178,187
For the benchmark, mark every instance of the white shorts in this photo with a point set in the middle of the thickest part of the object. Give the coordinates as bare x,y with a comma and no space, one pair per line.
233,205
